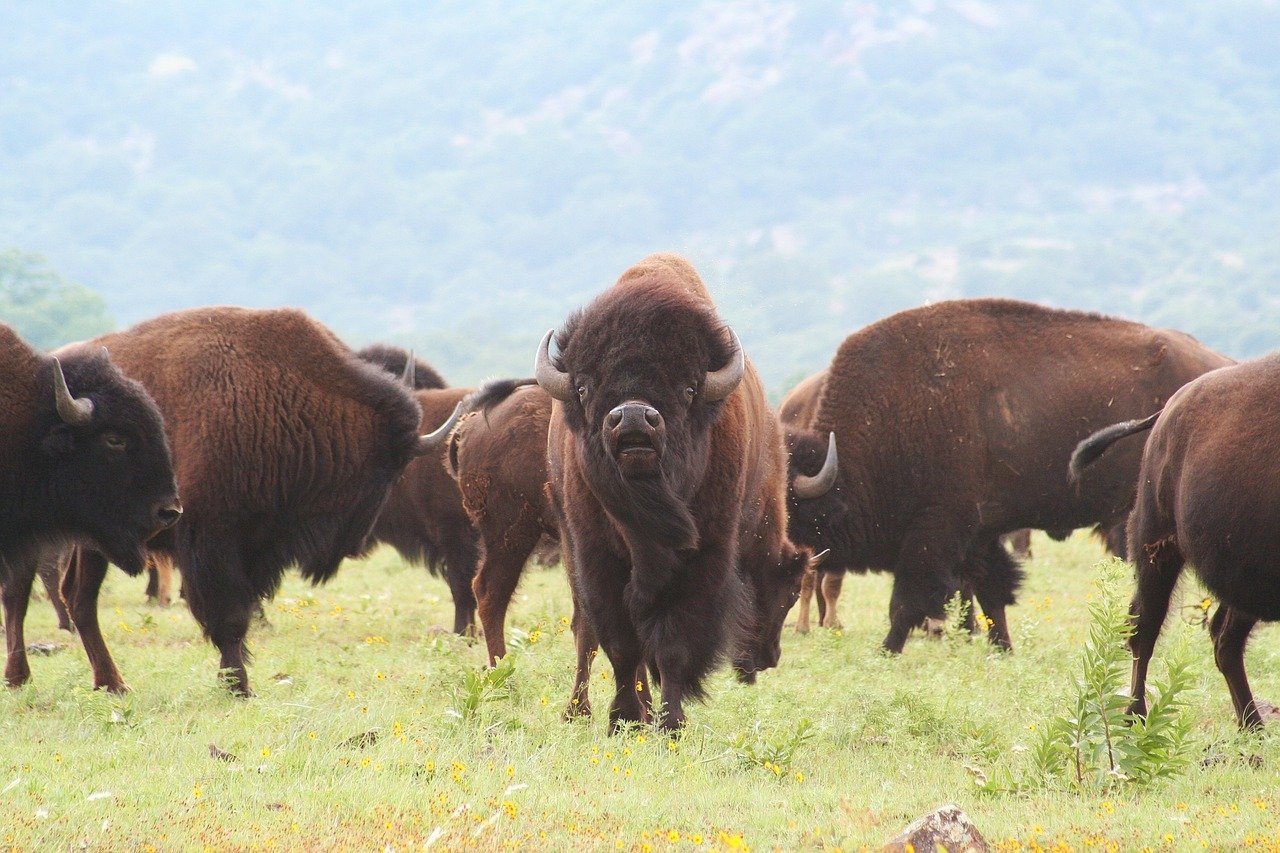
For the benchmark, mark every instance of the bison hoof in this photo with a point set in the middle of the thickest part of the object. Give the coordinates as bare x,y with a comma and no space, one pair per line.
577,709
802,628
119,688
17,679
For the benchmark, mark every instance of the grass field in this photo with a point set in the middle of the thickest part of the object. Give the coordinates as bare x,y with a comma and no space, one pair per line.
364,734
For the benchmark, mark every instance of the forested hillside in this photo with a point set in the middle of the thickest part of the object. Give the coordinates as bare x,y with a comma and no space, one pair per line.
458,176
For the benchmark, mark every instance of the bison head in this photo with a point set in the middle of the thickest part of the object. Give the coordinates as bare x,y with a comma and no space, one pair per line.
771,598
109,472
642,382
817,515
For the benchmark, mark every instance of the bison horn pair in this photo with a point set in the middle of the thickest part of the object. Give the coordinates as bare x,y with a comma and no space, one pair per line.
717,385
432,440
73,411
819,484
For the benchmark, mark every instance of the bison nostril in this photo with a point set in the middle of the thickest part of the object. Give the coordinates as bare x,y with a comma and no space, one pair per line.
652,416
614,418
169,515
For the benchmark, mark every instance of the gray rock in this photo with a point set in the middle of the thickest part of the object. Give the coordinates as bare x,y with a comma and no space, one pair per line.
945,828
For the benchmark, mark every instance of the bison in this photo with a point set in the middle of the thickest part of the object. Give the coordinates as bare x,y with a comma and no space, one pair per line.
423,518
89,465
1206,495
666,469
285,445
952,421
498,455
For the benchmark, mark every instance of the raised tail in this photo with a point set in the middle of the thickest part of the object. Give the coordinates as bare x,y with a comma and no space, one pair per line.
1091,448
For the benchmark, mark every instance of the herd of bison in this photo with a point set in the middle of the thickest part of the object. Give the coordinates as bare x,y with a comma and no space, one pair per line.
690,516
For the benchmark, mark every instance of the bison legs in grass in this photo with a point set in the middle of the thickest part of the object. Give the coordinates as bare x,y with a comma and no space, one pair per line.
16,595
81,584
505,552
825,587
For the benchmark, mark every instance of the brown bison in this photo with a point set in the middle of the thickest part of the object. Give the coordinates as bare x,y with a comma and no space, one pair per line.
83,459
423,518
498,455
415,373
285,445
1206,496
666,472
952,421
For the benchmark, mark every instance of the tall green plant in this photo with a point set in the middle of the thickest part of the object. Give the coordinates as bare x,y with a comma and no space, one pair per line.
1096,743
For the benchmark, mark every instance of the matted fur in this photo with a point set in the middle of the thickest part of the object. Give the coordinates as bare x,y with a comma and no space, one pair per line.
393,359
954,423
285,445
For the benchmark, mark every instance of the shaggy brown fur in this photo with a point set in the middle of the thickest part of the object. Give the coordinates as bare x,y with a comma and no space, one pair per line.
393,359
424,519
1208,492
285,444
499,458
953,421
652,540
107,480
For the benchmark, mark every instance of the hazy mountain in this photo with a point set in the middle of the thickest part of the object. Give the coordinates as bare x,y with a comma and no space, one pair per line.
458,176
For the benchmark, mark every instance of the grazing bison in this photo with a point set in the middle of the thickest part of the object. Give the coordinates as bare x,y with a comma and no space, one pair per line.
952,421
1206,496
666,470
83,458
423,518
498,455
285,445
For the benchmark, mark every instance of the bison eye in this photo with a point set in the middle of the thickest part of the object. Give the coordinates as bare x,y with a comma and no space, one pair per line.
582,392
690,393
115,441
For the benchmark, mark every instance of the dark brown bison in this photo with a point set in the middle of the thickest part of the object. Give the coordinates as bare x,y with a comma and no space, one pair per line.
423,519
285,445
952,422
498,455
666,473
413,372
83,459
1207,495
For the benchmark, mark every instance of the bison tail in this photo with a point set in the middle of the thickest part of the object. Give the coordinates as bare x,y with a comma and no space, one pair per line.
1091,448
493,392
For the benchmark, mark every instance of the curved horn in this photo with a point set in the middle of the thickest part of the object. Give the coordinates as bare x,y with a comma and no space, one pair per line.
819,484
819,558
720,383
553,380
410,375
72,411
432,440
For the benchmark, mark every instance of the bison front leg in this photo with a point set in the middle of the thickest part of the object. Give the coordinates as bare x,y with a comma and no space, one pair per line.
807,584
832,583
16,596
83,582
923,574
223,602
51,567
584,640
686,626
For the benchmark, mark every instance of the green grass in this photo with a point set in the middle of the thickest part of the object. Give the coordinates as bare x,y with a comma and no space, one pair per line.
840,747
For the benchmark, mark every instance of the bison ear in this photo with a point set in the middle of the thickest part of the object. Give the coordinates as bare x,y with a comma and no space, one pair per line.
60,440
